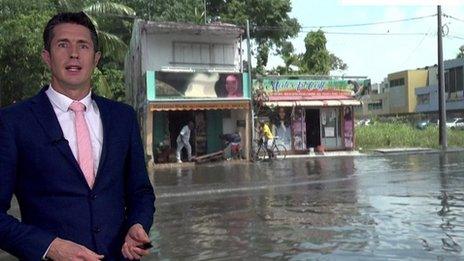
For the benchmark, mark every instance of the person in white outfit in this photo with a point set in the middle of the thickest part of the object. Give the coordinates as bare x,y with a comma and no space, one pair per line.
183,141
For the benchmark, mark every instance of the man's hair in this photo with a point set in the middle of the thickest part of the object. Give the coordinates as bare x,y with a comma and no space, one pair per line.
79,18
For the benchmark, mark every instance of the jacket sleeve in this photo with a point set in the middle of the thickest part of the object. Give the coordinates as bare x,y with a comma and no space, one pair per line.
24,241
139,191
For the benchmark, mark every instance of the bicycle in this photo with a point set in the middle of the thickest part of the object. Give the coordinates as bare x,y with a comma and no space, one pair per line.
279,150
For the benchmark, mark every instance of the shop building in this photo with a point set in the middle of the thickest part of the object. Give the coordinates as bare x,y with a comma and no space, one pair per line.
176,73
310,112
427,96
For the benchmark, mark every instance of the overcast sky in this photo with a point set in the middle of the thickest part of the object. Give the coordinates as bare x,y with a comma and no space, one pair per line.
402,45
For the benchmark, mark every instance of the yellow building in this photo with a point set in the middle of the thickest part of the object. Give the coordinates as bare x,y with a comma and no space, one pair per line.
402,87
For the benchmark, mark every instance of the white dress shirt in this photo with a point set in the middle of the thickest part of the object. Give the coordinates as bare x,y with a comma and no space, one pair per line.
184,134
66,117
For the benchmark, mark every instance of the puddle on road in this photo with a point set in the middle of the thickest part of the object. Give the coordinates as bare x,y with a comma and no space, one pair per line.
368,208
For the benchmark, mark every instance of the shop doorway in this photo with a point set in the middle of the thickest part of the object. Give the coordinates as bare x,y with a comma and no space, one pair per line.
313,129
177,120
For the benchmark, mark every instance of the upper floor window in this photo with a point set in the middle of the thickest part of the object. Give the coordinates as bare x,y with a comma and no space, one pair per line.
454,80
397,82
203,53
376,105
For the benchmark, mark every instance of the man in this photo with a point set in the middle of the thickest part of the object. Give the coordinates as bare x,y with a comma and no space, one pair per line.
74,161
183,140
267,138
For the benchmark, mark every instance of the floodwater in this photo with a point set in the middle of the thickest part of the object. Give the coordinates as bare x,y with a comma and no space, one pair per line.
346,208
334,208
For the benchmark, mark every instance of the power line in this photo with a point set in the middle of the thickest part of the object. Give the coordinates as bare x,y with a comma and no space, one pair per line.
416,48
375,34
452,17
374,23
279,28
455,37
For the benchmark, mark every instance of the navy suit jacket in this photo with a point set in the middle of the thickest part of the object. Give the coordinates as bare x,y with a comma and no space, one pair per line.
37,165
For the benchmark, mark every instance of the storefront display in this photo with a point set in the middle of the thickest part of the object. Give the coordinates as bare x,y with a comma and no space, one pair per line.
320,110
299,129
282,128
348,128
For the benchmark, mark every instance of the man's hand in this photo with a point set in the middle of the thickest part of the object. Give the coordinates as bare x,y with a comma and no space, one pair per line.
135,237
61,249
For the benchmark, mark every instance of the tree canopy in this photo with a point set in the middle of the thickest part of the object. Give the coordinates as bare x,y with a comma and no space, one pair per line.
22,71
269,20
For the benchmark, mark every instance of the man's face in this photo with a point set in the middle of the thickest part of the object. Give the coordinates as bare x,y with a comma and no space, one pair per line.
231,85
281,114
71,58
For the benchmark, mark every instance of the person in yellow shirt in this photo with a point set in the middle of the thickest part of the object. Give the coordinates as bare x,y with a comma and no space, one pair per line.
267,138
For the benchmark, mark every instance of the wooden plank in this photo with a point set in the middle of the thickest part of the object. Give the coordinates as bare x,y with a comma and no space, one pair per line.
210,157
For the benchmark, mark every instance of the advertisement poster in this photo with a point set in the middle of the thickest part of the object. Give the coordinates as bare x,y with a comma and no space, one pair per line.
282,128
299,129
180,85
348,127
317,88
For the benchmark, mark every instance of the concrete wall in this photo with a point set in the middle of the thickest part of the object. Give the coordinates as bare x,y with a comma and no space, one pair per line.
452,103
403,98
158,50
416,78
374,98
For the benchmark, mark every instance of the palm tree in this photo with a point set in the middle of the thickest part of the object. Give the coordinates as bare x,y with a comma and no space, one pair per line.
461,52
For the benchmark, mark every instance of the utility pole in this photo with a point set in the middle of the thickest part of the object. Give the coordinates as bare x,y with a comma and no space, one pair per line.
252,116
441,85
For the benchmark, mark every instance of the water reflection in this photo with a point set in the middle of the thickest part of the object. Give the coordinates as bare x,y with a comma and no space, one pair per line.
364,208
351,208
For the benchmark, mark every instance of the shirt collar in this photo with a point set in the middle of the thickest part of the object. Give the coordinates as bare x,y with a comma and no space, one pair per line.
63,102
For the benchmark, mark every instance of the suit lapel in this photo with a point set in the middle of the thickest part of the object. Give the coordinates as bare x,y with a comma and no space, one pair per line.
43,111
105,118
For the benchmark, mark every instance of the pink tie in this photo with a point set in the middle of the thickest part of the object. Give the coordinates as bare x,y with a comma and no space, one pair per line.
84,144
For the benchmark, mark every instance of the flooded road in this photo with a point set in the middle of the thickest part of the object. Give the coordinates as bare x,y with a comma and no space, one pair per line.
348,208
334,208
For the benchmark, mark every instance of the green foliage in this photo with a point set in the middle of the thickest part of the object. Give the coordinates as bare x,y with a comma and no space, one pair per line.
316,60
461,52
336,63
169,10
391,135
110,83
22,71
269,21
10,9
289,57
262,57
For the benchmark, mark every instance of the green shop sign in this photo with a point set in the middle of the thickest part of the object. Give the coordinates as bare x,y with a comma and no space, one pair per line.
296,85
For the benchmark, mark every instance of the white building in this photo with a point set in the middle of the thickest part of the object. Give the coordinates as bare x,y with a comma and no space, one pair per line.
178,72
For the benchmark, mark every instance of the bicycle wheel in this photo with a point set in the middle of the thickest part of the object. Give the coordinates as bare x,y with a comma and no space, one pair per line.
280,151
261,153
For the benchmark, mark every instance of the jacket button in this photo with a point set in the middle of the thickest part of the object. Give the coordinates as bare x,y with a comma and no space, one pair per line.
96,230
93,196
